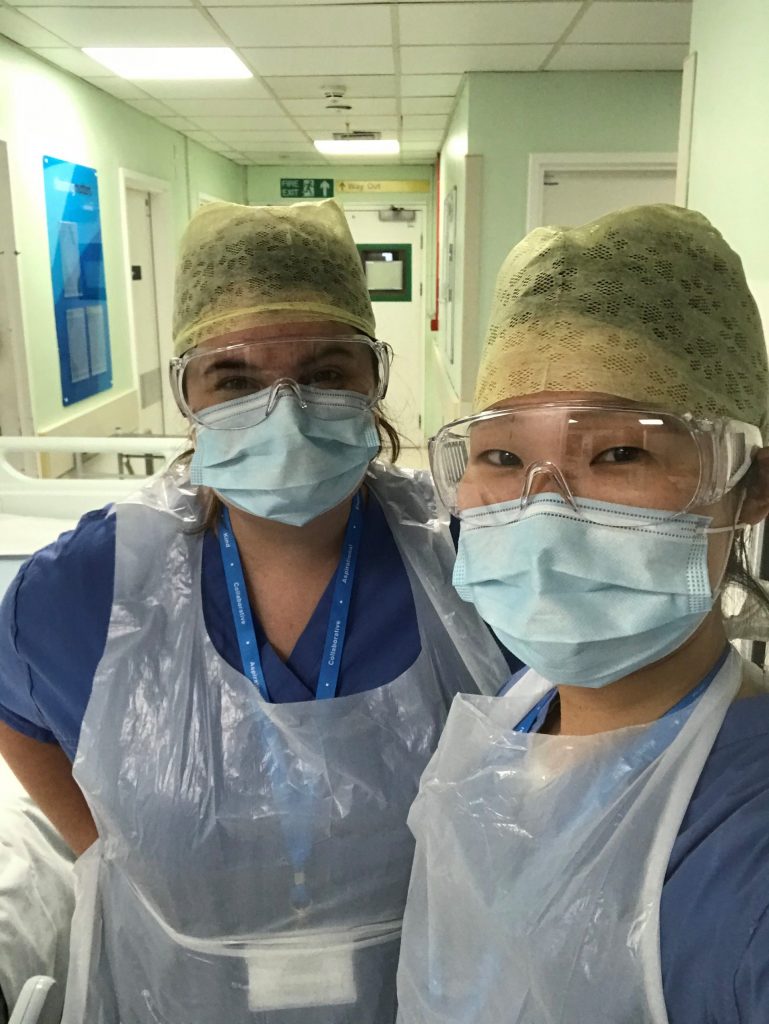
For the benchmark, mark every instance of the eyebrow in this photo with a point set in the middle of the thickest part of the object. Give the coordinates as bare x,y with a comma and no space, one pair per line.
238,363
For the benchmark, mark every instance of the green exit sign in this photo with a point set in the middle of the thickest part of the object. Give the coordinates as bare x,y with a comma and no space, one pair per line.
306,188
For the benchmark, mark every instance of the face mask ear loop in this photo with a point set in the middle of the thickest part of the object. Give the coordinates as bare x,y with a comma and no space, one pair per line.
550,469
281,387
736,525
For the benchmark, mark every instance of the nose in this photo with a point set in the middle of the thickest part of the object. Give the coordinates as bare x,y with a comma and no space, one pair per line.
540,477
284,387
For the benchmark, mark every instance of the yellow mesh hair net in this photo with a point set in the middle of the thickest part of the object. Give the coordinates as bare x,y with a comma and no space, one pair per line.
648,303
240,266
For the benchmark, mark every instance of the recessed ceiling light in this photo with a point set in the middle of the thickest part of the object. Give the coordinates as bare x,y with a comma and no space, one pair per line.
358,147
170,62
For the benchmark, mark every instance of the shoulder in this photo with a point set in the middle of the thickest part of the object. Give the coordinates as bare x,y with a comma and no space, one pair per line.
718,879
72,561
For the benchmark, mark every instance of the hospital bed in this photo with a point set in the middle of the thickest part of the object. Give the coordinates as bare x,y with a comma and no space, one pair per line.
34,510
36,884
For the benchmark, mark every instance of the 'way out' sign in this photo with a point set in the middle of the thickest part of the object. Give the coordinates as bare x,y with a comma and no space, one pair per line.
306,188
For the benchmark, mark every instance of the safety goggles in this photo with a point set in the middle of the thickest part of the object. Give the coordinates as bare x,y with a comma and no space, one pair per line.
253,375
626,456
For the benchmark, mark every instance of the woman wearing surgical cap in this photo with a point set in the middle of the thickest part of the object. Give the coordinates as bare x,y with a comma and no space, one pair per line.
593,844
250,663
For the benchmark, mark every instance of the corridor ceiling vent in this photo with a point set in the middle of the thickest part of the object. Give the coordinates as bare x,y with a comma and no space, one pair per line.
170,62
357,143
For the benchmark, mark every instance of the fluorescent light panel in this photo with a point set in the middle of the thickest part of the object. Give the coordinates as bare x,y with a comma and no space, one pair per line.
170,62
358,147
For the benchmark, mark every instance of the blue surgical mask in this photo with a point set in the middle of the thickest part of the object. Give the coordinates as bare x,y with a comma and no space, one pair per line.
585,595
305,457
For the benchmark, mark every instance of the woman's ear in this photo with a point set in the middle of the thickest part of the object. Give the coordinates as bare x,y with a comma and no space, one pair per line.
756,506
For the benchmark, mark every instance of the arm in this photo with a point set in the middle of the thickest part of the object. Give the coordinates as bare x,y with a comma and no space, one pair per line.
45,772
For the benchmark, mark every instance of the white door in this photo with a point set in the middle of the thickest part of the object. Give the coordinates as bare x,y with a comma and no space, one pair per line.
145,314
393,254
575,197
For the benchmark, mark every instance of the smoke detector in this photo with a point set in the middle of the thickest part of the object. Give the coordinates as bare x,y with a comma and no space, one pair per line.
335,97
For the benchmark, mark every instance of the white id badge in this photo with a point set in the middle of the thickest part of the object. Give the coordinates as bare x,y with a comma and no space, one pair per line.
288,977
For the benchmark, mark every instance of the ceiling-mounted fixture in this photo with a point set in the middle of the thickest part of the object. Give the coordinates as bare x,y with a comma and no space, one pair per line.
335,97
169,62
357,143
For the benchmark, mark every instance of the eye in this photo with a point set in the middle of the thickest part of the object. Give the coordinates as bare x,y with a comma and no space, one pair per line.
238,383
501,458
327,377
621,454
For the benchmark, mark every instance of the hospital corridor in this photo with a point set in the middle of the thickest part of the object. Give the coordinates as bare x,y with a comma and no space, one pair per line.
384,464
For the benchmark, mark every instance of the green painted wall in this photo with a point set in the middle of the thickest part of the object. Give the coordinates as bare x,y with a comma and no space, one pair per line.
730,131
515,115
45,111
444,378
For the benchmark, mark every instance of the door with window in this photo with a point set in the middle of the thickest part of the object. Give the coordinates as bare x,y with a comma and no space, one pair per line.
391,244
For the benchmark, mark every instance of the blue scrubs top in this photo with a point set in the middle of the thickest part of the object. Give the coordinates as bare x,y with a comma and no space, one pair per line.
714,915
55,616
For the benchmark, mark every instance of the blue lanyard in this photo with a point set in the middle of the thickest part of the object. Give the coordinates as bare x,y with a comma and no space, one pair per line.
533,720
328,679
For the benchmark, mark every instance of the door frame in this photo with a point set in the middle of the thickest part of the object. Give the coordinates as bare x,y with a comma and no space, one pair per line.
366,204
163,268
10,289
544,163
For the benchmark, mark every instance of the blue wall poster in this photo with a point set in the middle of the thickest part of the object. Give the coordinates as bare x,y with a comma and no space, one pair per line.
77,275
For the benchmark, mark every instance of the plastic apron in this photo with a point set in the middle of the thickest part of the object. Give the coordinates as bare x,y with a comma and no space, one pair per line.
211,804
540,862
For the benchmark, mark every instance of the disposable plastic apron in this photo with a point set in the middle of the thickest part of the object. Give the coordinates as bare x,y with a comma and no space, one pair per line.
186,907
540,862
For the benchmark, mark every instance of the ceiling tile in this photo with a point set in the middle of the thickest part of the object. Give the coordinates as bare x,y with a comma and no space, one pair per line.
243,135
431,24
649,22
420,144
344,60
359,106
99,3
118,87
281,147
430,85
311,87
251,124
71,60
223,106
206,88
458,59
427,104
103,26
362,25
338,124
23,31
283,3
609,57
152,107
429,122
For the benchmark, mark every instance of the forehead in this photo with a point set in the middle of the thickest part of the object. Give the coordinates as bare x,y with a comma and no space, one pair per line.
598,398
280,331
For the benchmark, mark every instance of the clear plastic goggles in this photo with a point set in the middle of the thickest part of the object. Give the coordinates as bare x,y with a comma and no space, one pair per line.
624,456
207,377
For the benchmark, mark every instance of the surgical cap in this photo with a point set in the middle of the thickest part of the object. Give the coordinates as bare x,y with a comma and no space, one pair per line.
648,303
241,266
